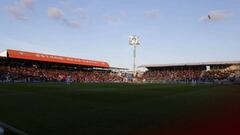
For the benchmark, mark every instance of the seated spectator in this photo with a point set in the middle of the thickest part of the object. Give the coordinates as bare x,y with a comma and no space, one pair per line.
17,73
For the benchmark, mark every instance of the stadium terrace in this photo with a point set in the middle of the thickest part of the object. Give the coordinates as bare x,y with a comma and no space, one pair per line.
204,64
22,66
210,72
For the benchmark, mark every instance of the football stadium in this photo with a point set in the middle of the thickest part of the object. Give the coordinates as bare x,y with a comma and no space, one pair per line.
21,66
49,94
122,67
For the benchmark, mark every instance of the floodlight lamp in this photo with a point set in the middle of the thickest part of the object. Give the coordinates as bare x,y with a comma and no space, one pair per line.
134,40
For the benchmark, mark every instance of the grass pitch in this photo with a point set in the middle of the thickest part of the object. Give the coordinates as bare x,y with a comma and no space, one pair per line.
120,109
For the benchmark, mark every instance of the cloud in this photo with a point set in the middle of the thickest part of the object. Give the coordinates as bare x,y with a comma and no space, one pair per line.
55,13
112,19
80,12
154,13
216,15
27,3
74,24
16,12
19,9
58,14
64,2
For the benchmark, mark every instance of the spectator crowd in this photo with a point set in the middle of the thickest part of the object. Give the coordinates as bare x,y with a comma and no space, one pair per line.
172,75
187,76
18,73
34,74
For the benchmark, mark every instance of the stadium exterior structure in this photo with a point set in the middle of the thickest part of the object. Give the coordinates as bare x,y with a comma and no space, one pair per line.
23,66
232,65
205,72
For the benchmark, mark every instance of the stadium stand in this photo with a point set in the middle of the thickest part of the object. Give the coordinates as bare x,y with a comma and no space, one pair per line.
211,72
21,66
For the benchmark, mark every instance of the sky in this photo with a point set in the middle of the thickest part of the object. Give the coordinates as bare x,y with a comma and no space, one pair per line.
170,31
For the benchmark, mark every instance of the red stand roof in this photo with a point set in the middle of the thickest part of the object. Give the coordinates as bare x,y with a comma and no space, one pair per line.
55,59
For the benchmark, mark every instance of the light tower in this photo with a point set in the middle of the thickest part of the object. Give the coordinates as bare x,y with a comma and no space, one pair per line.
134,41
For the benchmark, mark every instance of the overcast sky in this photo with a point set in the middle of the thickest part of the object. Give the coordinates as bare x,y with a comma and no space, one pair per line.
171,31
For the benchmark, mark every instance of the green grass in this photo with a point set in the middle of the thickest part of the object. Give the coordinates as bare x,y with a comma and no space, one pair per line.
112,109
